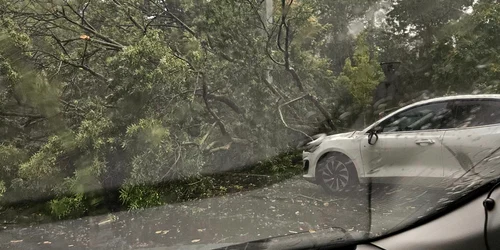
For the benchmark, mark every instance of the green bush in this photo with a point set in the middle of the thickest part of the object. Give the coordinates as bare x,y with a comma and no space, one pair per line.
137,197
195,188
10,159
283,165
68,207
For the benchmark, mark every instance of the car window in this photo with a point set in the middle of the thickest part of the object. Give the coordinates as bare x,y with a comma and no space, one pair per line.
471,113
429,116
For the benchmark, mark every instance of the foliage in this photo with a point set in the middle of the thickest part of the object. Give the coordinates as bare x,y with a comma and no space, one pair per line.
283,164
2,188
337,18
10,159
413,28
139,196
468,59
43,167
68,207
362,77
136,102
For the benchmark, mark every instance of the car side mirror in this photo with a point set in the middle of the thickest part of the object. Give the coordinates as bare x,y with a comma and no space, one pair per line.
372,136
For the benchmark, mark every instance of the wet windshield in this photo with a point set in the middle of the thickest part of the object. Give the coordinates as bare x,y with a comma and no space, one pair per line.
172,123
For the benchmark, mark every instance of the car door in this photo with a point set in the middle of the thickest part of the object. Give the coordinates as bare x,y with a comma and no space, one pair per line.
409,143
474,137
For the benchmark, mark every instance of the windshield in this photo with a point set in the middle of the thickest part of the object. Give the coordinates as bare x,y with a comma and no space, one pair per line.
171,123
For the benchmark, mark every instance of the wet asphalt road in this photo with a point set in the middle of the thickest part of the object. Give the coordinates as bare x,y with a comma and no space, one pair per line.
293,206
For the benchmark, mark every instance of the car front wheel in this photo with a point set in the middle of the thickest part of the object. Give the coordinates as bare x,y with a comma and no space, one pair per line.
336,173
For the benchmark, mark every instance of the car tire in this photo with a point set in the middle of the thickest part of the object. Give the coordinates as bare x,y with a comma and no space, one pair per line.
336,173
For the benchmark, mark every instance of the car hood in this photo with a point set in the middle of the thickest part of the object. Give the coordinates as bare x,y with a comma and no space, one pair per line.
342,135
320,138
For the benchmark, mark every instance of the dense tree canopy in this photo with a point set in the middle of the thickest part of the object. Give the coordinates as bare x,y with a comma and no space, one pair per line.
107,95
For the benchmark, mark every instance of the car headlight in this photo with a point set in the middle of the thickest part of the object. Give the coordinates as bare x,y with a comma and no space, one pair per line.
312,149
314,144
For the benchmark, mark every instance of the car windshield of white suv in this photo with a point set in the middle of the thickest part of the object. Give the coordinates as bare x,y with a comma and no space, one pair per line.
163,124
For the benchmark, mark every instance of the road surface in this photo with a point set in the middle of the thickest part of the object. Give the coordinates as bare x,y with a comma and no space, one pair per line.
289,207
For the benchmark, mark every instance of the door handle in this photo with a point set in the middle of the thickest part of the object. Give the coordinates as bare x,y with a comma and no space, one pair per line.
424,141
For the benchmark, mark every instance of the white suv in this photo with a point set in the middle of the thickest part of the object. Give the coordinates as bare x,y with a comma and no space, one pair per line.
425,143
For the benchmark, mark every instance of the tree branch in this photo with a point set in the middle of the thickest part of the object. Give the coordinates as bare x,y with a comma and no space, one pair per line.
287,64
178,56
86,68
61,45
82,16
84,52
268,53
130,17
283,119
223,99
221,126
13,114
219,53
205,94
184,25
92,31
114,46
135,22
258,15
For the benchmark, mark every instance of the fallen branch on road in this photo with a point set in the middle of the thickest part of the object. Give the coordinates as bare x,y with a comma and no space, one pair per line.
283,119
310,198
